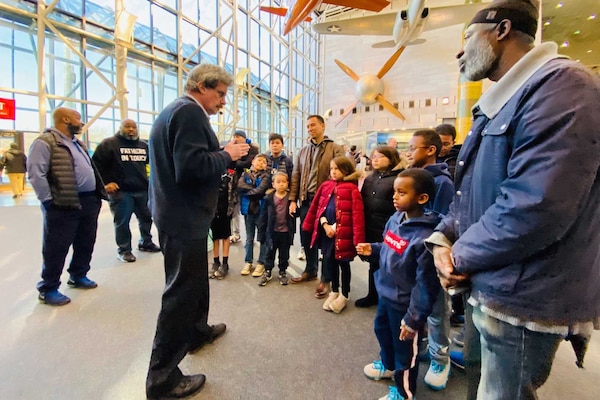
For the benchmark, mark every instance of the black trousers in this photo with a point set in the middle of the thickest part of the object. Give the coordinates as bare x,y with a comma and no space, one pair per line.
63,229
281,245
183,317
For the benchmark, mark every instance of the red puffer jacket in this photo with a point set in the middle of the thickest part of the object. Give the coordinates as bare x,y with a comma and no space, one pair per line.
349,216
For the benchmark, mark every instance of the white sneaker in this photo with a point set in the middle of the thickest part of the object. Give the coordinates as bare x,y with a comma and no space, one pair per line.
332,296
338,304
247,268
437,375
258,271
377,371
301,254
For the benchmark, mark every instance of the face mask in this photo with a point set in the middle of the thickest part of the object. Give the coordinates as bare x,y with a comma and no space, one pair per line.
74,129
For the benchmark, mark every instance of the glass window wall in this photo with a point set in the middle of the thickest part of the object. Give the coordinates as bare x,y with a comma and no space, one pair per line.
167,43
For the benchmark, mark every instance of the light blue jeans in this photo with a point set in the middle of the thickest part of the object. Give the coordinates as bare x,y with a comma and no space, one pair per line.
254,224
438,324
515,361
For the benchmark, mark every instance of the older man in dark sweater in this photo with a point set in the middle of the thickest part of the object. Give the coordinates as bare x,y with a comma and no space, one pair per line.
186,164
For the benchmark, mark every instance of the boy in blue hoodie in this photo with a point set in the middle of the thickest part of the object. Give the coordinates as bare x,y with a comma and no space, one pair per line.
406,282
424,148
252,186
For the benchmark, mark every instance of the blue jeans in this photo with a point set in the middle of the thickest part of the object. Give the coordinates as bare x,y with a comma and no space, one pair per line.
515,361
123,205
255,222
438,324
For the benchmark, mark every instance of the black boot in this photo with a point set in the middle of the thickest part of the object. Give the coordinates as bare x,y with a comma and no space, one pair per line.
371,298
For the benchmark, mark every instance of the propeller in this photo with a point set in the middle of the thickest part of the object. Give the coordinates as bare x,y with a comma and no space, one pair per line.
390,62
369,88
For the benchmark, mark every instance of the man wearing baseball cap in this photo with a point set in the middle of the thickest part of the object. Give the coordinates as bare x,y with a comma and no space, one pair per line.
522,232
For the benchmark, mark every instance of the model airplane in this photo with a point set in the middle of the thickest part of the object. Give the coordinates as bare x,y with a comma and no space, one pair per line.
369,88
404,26
299,10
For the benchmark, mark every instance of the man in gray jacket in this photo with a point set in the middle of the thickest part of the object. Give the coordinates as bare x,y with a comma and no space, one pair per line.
310,171
522,231
70,190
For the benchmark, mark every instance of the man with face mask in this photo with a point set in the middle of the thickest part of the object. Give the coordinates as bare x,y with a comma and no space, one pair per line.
122,161
522,232
70,190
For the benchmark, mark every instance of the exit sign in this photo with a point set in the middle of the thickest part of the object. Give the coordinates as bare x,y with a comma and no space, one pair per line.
7,109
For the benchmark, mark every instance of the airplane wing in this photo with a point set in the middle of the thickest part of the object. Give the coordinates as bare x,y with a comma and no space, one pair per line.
378,24
383,24
371,5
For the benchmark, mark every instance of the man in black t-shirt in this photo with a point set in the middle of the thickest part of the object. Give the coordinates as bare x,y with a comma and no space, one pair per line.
123,164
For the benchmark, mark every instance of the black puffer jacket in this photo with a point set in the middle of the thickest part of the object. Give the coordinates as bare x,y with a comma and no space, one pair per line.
377,192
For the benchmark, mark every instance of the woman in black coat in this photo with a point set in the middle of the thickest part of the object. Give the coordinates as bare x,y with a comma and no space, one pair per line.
377,192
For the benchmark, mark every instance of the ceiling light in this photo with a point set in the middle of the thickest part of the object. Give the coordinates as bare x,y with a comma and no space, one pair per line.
577,32
593,16
546,23
559,5
565,44
589,51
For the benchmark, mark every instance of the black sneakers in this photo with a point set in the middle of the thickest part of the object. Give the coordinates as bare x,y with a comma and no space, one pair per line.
265,278
150,248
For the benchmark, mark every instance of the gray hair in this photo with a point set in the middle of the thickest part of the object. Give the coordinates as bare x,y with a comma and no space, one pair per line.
209,75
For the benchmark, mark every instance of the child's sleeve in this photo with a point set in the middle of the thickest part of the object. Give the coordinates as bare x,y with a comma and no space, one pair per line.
358,217
262,188
242,185
424,293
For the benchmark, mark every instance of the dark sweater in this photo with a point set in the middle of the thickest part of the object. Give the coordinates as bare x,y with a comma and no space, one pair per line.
186,165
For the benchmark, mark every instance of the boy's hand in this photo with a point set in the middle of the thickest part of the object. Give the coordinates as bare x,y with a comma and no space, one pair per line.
364,249
293,208
405,334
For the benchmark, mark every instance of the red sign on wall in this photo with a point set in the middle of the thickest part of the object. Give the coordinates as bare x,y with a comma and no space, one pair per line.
7,109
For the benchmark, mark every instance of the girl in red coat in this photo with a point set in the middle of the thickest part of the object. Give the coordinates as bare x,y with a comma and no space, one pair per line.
336,219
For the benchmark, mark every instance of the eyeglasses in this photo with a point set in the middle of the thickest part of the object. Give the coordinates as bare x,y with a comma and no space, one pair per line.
413,149
378,156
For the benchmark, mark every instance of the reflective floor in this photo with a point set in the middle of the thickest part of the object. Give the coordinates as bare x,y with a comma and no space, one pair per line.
279,344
